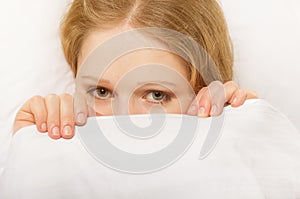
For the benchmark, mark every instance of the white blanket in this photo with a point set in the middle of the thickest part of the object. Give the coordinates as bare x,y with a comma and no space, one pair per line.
257,156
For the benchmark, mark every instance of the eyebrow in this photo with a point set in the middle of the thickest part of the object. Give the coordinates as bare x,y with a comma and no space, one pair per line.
157,82
148,83
93,78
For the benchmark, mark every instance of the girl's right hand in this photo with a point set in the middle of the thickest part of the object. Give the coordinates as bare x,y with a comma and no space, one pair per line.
53,114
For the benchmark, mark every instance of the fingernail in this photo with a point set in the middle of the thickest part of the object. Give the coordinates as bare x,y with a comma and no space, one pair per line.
67,130
214,110
81,118
44,127
55,131
192,110
201,112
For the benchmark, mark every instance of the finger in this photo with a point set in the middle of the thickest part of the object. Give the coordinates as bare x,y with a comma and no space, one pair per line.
39,111
66,116
92,112
230,88
80,109
32,114
217,94
204,103
240,96
251,94
193,108
53,115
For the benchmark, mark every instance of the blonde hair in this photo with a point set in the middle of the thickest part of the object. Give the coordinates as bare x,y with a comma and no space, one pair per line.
202,20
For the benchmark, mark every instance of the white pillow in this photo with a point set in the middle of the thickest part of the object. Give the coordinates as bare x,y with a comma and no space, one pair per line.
257,156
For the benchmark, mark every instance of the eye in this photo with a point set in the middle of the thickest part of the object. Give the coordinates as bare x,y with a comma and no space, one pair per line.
157,97
101,93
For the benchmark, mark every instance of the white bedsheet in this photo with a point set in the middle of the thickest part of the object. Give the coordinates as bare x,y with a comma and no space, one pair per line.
257,156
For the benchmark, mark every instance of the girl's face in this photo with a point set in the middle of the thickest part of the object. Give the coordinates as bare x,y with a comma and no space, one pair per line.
140,82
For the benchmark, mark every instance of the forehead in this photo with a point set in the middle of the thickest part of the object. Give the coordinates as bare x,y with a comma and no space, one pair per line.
95,38
130,60
149,57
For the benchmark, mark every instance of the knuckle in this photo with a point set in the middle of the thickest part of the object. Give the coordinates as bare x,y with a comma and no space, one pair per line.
201,92
215,85
232,84
65,96
36,98
205,89
51,97
216,82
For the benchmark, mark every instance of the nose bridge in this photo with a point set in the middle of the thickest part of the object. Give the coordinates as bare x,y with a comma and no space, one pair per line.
121,104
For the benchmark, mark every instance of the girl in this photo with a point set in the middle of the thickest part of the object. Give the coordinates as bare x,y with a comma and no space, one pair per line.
92,22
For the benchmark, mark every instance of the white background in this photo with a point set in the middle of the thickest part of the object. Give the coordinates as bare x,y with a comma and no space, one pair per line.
266,39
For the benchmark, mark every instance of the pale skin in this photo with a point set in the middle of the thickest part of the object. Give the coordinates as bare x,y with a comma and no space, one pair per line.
57,116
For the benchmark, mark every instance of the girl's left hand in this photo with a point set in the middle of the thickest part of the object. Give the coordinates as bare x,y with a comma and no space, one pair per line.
211,100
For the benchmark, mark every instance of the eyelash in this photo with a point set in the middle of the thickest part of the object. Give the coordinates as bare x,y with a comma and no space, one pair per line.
93,90
166,96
